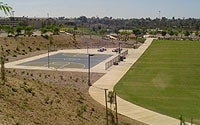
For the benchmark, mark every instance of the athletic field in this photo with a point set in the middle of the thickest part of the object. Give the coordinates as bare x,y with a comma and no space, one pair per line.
166,79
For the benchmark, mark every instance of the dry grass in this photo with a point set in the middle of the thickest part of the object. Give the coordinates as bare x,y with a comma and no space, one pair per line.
32,97
39,97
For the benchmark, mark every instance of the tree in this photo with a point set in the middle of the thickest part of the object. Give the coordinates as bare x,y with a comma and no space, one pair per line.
43,30
186,33
28,30
197,33
8,29
102,31
18,30
75,27
163,33
5,8
111,98
171,32
137,32
56,30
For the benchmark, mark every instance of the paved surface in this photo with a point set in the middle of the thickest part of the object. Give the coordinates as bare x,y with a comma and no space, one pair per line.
99,68
128,109
63,60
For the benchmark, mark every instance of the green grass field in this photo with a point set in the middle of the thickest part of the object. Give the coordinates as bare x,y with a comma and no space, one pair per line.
166,79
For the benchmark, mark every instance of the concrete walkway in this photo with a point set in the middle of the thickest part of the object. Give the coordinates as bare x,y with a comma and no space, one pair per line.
128,109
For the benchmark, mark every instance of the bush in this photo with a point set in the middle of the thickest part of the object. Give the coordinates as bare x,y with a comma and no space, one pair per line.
30,49
28,89
38,49
14,89
17,49
81,110
14,55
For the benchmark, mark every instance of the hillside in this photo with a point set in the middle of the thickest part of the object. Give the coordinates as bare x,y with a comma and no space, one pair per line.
21,47
32,97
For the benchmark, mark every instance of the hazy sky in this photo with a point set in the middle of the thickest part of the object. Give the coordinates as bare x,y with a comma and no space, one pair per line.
102,8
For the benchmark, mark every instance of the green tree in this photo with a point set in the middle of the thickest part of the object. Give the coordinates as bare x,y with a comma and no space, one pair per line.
171,32
56,30
163,33
197,33
5,8
76,28
18,30
8,29
186,33
28,30
102,31
137,32
43,30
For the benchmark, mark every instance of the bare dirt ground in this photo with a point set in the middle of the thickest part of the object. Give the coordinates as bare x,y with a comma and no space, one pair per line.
32,97
23,47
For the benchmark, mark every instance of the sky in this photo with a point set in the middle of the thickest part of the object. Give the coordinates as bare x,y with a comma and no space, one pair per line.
102,8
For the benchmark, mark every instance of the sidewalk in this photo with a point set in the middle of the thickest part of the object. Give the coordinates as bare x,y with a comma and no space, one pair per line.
128,109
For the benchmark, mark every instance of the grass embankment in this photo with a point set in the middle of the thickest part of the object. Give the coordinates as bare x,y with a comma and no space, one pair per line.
166,79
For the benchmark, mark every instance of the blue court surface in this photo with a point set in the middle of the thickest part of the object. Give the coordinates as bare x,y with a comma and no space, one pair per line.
68,60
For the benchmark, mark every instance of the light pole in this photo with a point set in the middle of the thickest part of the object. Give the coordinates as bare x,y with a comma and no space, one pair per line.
13,14
87,48
89,83
48,54
119,48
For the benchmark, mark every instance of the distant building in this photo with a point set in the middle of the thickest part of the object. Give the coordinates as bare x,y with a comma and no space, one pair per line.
13,21
35,22
127,31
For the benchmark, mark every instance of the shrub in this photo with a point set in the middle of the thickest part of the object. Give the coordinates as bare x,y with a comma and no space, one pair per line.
38,49
14,89
14,55
81,110
28,89
22,72
30,49
17,49
46,99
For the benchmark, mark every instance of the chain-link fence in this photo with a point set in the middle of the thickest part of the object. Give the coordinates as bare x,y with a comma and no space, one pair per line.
116,59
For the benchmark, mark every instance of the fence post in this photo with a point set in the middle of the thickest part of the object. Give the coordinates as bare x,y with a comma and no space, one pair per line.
191,121
181,119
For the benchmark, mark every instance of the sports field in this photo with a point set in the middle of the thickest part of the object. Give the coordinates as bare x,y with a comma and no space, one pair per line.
68,60
166,79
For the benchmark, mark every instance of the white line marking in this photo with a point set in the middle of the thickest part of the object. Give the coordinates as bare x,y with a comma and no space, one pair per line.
64,65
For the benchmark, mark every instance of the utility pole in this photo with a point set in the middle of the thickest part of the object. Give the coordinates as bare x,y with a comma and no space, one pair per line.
89,70
106,106
47,15
159,18
116,114
159,14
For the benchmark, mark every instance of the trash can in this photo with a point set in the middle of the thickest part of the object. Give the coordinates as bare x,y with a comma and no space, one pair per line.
121,58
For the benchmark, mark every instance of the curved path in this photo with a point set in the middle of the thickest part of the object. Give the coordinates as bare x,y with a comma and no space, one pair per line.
128,109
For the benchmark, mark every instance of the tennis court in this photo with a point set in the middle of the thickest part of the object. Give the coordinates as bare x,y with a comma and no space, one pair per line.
68,60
